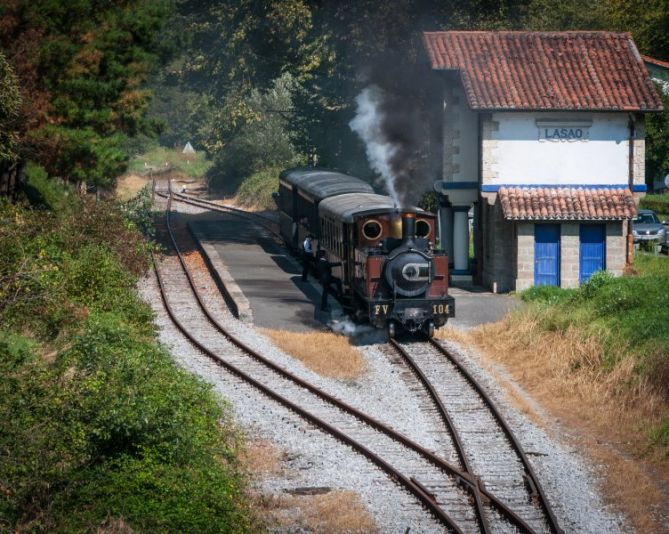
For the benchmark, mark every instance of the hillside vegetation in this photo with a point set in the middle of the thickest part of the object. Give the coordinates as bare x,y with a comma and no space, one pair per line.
100,429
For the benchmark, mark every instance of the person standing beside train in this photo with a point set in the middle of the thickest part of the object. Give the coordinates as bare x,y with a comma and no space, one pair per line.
324,270
307,256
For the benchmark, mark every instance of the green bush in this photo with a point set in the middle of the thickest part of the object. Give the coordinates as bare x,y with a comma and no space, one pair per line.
597,281
137,211
44,192
547,294
256,191
97,422
113,427
657,203
629,315
56,268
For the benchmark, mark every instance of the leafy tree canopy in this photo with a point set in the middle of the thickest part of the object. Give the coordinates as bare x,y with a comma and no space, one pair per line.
81,65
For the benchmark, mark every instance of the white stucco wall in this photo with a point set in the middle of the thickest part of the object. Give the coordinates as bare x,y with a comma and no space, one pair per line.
517,154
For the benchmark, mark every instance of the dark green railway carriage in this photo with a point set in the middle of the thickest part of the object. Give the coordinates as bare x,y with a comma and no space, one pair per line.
300,191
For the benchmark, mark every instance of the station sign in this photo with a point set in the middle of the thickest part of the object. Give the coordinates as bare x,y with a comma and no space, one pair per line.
557,130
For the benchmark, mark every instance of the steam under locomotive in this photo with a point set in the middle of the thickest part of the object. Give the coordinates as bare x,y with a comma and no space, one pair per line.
391,275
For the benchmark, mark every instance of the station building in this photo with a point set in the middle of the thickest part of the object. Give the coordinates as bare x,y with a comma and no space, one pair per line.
541,135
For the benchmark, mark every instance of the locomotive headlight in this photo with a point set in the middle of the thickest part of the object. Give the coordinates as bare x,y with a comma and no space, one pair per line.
416,272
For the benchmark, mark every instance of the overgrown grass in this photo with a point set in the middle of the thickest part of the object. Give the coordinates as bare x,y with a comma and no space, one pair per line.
626,312
256,190
624,319
194,165
99,427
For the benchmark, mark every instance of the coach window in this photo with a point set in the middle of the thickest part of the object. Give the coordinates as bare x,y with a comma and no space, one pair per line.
371,229
422,228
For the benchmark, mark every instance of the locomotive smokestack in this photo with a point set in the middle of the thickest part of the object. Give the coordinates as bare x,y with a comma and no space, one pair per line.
408,227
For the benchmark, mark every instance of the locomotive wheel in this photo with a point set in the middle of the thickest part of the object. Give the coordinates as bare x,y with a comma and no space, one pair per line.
391,330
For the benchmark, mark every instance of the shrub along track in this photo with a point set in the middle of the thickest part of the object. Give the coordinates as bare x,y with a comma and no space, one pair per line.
485,438
436,483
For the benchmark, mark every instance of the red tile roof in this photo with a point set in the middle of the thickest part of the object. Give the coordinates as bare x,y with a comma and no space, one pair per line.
566,203
546,70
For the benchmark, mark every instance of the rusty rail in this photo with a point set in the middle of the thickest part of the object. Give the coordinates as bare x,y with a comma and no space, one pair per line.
530,476
443,413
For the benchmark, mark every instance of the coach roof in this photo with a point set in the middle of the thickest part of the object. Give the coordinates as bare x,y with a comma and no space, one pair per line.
347,207
321,183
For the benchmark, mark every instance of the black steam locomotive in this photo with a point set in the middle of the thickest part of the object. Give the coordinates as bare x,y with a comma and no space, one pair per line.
392,277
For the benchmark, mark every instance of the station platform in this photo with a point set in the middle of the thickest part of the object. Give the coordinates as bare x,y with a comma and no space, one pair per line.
261,278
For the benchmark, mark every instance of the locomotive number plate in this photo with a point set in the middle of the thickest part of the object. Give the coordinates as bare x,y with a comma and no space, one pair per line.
440,309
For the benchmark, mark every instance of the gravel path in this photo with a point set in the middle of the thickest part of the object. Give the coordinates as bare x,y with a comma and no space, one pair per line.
388,393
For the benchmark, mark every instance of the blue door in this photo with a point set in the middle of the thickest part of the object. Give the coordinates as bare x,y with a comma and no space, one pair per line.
546,254
592,253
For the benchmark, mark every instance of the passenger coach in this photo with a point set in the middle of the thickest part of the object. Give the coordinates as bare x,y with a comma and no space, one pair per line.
301,190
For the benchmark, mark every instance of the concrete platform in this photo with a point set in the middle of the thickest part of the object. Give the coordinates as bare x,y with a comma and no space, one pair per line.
475,305
263,279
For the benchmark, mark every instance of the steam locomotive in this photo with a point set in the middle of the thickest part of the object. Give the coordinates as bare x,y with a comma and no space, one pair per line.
391,274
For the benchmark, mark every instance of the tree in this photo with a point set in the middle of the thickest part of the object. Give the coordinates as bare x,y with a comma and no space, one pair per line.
265,139
657,142
81,65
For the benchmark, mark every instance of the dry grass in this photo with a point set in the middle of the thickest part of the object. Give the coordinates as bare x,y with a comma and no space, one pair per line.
335,511
261,459
611,411
326,353
453,334
129,185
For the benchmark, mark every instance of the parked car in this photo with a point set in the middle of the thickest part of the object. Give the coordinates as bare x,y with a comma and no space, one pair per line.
647,228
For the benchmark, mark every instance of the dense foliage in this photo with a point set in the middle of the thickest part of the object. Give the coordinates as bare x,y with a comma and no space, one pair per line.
657,203
100,429
10,103
81,67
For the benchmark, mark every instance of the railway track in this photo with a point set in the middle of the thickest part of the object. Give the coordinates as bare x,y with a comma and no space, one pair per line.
268,223
445,489
486,446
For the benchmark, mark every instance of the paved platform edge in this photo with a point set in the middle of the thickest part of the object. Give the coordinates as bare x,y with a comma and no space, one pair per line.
231,292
